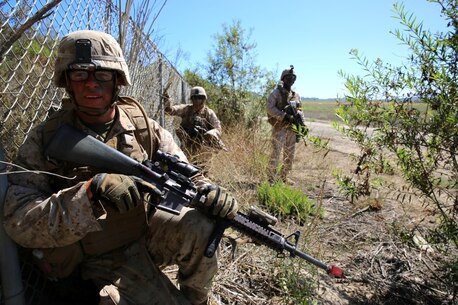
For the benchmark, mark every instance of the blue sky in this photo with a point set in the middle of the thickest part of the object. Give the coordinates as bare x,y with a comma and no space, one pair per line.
315,36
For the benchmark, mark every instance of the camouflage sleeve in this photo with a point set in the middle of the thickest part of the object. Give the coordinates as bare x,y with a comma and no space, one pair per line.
177,110
272,109
297,98
299,107
214,122
37,217
166,141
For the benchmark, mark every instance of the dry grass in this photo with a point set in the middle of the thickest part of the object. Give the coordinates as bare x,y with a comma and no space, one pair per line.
255,275
242,167
364,238
251,273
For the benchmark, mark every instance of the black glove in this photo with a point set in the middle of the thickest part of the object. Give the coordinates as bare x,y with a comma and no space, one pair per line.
191,131
123,191
219,202
288,118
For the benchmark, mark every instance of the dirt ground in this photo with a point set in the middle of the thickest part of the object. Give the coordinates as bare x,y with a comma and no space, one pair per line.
364,236
377,241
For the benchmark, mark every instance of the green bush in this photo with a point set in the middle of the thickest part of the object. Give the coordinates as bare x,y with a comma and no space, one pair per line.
404,118
297,288
283,200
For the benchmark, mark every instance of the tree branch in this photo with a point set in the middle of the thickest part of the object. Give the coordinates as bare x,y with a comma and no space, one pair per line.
40,14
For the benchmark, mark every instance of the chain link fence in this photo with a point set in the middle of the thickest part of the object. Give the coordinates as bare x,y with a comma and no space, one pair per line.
27,93
28,96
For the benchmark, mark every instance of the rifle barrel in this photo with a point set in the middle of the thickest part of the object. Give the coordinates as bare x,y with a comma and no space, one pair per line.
276,241
294,252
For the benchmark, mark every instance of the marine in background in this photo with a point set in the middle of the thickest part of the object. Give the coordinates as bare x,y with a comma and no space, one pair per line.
284,109
199,127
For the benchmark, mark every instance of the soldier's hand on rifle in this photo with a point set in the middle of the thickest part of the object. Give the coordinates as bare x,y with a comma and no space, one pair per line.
288,118
200,129
219,202
125,192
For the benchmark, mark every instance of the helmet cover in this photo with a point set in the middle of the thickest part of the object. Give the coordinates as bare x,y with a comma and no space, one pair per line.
289,71
87,48
198,91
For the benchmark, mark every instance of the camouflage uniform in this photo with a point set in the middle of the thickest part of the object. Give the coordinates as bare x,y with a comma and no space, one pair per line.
199,127
43,212
283,136
121,253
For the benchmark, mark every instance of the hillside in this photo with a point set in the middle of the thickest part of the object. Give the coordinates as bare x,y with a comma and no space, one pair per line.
315,99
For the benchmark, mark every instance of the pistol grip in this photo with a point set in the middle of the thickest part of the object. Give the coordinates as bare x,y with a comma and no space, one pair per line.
215,237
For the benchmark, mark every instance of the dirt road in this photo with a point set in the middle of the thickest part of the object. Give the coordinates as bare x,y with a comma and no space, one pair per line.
336,141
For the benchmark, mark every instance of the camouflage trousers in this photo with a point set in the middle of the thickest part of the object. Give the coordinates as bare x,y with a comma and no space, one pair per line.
132,275
283,138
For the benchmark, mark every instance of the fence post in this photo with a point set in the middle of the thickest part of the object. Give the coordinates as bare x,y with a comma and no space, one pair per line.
161,94
183,91
13,292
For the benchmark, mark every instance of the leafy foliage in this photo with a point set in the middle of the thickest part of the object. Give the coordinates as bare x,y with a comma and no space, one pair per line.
242,86
379,114
284,200
296,289
349,187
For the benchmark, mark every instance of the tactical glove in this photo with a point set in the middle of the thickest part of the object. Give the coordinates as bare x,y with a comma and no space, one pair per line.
219,202
124,192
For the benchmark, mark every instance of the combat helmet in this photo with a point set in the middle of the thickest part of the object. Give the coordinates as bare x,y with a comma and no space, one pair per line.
88,49
289,71
198,91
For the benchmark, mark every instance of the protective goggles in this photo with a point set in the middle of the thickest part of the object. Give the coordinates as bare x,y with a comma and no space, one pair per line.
198,97
83,75
290,77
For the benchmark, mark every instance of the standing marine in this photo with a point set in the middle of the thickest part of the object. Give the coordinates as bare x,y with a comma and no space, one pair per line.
284,109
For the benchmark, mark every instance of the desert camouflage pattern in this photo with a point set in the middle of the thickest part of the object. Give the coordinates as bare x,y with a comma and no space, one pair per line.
285,72
198,91
283,136
105,53
48,212
182,240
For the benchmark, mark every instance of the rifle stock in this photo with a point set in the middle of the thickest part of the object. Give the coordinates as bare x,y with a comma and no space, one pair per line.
72,145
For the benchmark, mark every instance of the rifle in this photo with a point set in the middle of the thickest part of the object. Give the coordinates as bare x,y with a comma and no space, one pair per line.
173,179
198,134
298,123
195,132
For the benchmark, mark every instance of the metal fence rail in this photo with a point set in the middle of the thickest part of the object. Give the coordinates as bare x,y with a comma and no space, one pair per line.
26,90
27,94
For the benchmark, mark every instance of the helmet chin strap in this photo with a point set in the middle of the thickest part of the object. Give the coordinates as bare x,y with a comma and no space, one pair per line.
94,112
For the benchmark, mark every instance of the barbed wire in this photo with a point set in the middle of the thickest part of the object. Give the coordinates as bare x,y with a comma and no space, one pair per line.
25,170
